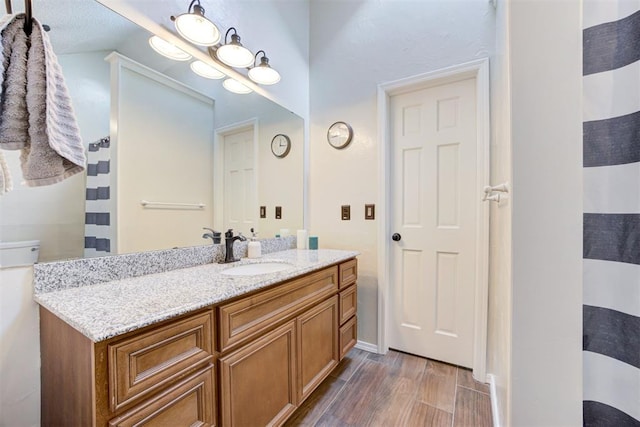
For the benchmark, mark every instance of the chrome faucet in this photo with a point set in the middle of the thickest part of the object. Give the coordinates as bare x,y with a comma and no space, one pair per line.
229,239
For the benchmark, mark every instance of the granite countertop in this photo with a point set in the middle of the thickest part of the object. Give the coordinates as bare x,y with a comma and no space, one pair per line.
105,310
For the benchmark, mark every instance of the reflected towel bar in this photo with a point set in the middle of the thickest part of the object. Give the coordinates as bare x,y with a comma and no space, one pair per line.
171,205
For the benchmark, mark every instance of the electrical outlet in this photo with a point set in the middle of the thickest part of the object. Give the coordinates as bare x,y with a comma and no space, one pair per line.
263,211
278,212
369,211
346,212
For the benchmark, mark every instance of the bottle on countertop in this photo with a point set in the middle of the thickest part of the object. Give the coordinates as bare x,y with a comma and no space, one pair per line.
254,249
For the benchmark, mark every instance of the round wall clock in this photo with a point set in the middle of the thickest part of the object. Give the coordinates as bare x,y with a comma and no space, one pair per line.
280,145
339,134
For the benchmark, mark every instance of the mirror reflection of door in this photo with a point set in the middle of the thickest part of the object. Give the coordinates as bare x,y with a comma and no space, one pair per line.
240,196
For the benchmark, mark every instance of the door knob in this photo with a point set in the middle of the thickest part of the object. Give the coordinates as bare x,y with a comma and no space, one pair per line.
396,237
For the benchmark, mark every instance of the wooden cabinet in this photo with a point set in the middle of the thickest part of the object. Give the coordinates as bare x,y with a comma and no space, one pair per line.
188,403
317,333
248,317
348,303
145,362
251,360
348,273
159,375
258,381
348,336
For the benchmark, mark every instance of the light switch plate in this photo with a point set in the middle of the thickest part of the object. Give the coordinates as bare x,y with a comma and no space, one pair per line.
278,212
346,212
263,211
370,211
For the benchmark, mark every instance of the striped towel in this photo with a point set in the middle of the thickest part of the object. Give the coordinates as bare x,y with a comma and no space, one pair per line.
36,115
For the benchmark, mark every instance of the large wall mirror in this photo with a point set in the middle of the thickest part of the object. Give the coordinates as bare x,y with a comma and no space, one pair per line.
169,151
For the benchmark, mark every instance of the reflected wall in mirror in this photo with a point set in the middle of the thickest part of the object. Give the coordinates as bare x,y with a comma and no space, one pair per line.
214,150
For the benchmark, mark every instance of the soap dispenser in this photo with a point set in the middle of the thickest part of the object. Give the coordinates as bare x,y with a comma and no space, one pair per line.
254,248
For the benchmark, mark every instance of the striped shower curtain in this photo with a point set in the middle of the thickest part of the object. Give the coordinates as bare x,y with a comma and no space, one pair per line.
611,147
98,205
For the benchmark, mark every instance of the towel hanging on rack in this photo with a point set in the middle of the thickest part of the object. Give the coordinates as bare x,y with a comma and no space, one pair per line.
52,149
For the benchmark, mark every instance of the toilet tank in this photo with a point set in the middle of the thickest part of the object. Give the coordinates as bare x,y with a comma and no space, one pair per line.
16,254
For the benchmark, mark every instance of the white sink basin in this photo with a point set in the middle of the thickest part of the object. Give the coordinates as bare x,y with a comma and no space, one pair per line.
256,269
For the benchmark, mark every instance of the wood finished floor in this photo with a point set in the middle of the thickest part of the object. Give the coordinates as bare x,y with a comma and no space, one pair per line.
396,389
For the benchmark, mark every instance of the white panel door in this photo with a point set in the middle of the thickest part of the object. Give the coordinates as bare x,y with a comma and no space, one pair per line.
240,197
434,152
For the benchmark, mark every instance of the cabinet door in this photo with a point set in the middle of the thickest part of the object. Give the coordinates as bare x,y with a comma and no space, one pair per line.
188,403
257,381
317,345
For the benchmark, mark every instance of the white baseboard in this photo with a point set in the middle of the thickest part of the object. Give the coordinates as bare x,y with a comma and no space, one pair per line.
491,379
371,348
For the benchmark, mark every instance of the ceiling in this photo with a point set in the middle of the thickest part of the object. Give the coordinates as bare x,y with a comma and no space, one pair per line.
101,28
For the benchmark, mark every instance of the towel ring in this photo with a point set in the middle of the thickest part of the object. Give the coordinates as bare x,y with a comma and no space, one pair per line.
27,11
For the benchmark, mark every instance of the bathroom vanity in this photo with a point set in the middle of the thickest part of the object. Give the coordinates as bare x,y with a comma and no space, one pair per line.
197,346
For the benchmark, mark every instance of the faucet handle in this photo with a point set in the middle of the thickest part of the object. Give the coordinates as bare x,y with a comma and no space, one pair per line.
229,233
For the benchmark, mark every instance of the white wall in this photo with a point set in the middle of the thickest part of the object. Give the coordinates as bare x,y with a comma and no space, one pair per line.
280,180
19,349
546,64
54,214
499,320
354,46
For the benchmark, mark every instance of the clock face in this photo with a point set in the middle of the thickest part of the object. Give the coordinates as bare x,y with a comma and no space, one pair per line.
339,134
280,145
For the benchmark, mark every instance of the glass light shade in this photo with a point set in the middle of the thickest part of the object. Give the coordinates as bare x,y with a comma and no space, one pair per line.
235,86
206,70
197,29
165,48
264,74
235,55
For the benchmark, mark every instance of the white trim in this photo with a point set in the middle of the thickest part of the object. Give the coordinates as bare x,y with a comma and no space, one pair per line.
371,348
143,70
480,70
495,411
218,168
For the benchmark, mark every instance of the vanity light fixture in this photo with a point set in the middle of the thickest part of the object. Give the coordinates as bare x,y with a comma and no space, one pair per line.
195,27
165,48
263,73
233,53
232,85
205,70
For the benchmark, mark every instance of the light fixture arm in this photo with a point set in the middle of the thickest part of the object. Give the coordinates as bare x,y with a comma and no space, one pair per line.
192,3
264,55
235,34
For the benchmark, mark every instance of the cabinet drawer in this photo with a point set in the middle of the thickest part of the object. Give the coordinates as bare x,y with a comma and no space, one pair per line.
248,317
348,336
188,403
141,364
348,303
348,273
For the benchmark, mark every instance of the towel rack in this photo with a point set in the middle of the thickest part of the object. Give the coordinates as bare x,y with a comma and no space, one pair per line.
27,11
171,205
